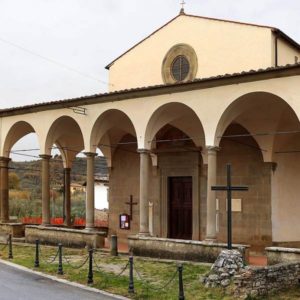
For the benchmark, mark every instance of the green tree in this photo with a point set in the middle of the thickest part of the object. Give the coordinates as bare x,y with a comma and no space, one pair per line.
14,181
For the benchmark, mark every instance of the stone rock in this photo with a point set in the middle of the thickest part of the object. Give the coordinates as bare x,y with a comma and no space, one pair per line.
225,282
213,277
228,264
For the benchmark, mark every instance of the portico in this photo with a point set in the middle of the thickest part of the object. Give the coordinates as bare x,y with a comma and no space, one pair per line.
168,143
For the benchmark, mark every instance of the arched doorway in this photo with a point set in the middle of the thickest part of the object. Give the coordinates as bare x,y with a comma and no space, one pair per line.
176,140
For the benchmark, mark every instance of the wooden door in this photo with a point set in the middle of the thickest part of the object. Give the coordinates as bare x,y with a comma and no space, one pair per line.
180,207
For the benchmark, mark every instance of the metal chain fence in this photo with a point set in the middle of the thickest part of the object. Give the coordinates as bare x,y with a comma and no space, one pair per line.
74,266
44,260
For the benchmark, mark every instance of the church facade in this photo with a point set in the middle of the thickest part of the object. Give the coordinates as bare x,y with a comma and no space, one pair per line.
195,95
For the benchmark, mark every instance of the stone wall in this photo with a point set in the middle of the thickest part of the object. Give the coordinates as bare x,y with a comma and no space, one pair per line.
262,281
17,230
179,249
67,237
253,224
124,181
278,255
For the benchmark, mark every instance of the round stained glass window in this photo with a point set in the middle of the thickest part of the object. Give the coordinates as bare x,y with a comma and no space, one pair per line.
180,68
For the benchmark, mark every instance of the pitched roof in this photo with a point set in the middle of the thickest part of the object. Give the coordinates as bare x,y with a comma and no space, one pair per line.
271,72
273,29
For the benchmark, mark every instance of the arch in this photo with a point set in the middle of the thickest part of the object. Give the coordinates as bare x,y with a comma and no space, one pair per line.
66,133
178,115
108,130
260,113
17,131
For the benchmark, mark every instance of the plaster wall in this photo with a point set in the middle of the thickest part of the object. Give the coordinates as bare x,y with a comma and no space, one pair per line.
221,47
285,196
209,104
286,53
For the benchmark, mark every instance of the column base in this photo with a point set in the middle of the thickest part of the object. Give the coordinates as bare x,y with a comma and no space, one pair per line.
5,221
46,224
90,229
211,240
141,234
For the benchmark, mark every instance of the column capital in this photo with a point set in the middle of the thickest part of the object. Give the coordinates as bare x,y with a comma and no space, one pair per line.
212,149
45,156
143,151
90,154
4,159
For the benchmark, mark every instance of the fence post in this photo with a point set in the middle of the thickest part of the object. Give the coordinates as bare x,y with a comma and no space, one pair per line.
60,265
90,274
180,282
131,283
114,245
10,251
37,254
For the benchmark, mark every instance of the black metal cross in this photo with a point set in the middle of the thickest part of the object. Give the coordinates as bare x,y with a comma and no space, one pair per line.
229,188
131,203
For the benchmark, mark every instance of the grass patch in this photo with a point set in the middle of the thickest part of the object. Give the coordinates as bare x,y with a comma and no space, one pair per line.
155,274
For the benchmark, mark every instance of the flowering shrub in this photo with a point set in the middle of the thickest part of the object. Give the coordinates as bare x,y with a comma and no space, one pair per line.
60,221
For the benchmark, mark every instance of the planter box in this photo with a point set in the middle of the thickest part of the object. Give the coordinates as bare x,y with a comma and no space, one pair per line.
278,255
66,236
200,251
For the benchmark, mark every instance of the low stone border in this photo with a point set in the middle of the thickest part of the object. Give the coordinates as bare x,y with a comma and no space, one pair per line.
277,255
17,230
200,251
66,236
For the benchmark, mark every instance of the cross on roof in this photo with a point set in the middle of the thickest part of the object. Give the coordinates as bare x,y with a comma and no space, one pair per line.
229,188
182,3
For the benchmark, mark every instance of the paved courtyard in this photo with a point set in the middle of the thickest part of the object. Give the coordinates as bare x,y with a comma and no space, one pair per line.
21,285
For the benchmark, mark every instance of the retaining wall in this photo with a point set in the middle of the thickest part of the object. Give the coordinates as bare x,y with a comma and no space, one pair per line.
262,281
66,236
277,255
200,251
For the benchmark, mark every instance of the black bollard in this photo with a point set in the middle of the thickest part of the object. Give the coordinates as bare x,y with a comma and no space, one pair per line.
131,283
90,274
114,245
180,282
10,251
60,265
37,254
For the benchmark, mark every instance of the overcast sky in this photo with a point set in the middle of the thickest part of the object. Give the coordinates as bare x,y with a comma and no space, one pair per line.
88,34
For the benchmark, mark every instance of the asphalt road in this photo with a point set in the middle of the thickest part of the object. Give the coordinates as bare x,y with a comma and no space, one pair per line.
21,285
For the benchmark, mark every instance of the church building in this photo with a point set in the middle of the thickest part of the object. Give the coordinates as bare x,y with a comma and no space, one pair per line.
195,95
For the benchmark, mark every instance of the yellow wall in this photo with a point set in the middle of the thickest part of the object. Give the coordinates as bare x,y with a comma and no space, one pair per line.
286,53
221,47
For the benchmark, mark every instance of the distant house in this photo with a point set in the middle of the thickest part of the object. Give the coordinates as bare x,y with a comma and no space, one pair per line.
76,187
101,193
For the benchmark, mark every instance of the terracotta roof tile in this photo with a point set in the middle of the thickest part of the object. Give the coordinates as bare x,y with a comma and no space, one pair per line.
69,103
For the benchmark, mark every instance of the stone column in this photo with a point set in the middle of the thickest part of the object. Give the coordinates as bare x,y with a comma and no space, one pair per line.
45,189
144,201
4,189
67,197
211,195
90,191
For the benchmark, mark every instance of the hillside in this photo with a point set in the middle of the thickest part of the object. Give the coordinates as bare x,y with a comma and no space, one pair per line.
29,172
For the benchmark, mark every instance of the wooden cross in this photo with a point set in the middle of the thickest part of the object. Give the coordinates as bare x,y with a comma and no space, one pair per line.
131,203
229,188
